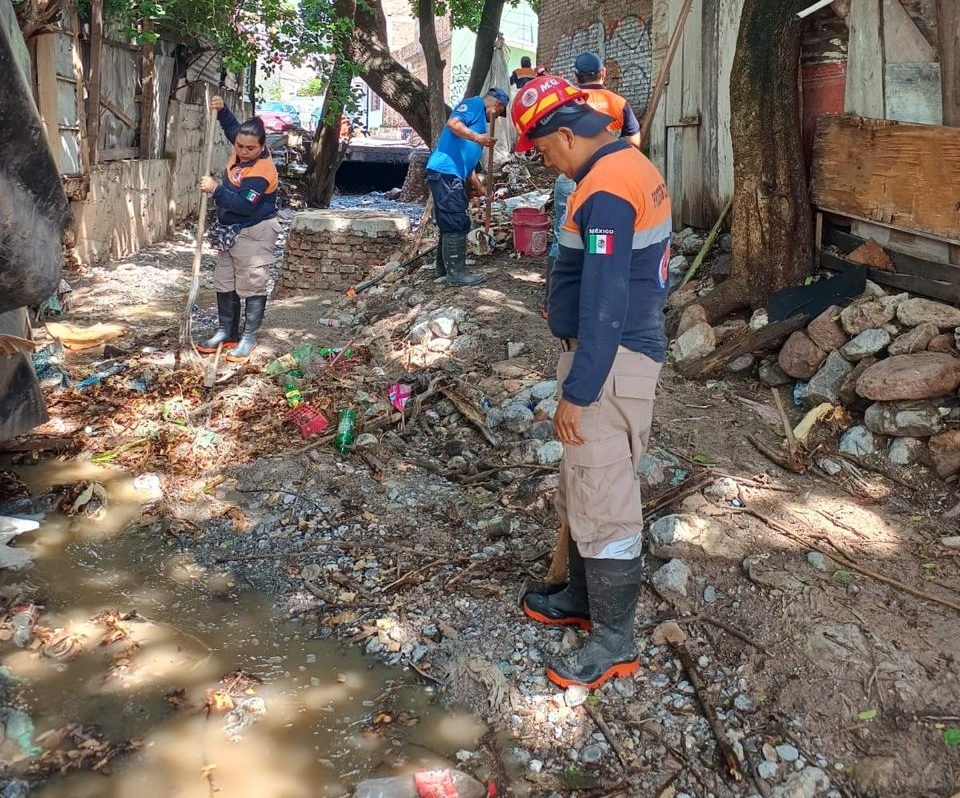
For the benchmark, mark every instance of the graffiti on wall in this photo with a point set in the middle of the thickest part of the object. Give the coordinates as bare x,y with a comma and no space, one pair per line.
627,52
459,75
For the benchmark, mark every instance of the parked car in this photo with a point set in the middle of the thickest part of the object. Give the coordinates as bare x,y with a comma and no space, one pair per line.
276,121
284,108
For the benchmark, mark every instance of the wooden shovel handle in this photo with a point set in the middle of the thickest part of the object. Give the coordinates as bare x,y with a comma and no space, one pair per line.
558,566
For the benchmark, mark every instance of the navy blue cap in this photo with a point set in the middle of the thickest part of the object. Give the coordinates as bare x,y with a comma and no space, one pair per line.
587,64
500,95
577,116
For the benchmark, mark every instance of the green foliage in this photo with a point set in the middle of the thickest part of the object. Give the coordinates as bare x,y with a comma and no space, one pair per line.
273,31
312,88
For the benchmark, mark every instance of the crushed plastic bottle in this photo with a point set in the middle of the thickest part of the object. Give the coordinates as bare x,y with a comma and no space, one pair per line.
100,376
442,782
346,430
292,393
300,356
23,621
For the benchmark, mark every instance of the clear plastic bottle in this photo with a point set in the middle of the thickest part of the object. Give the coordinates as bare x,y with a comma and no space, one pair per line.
346,429
23,622
406,787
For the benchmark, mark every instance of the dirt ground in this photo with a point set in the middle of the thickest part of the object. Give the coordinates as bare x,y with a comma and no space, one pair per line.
827,669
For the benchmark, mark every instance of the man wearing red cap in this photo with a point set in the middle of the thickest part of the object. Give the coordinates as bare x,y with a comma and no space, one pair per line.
609,287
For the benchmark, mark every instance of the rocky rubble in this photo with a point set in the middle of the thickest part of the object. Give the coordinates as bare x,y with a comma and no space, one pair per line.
891,357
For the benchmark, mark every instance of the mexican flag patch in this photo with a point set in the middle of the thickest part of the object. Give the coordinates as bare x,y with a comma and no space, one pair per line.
600,243
251,196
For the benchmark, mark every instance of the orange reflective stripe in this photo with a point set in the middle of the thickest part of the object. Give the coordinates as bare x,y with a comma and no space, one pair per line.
627,174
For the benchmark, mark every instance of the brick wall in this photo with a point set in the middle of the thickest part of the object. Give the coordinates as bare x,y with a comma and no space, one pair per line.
621,35
334,250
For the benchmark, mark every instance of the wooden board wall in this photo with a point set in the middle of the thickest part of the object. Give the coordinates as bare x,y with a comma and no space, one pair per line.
902,175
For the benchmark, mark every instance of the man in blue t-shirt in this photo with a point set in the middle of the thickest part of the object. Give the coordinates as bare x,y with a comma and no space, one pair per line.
450,166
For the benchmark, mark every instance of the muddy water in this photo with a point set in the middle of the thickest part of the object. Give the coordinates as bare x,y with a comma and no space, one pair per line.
315,738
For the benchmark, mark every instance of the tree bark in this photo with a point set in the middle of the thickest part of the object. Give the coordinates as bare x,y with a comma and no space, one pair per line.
435,64
483,52
772,224
327,151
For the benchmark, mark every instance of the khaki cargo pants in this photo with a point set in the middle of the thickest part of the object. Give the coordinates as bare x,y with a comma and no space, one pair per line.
245,267
599,493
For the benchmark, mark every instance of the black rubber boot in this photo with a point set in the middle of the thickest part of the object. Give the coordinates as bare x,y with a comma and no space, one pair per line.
546,288
228,331
440,268
568,607
613,587
454,250
252,319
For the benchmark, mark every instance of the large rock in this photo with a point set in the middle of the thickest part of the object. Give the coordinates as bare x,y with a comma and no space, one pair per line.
920,376
905,451
825,384
914,312
696,342
859,442
944,342
945,453
825,330
867,314
906,419
693,537
806,783
692,316
800,357
771,374
670,580
915,340
866,344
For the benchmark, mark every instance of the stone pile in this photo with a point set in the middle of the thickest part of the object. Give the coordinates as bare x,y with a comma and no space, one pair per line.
892,358
335,249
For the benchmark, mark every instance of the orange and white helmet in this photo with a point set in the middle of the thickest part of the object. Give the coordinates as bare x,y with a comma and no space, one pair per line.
551,101
540,97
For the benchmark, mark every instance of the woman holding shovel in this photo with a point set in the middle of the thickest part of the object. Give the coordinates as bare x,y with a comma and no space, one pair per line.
245,233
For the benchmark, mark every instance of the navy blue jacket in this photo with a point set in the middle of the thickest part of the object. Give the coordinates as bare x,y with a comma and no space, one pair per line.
248,193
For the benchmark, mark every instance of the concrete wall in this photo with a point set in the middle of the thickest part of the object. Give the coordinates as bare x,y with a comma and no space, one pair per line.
126,209
618,30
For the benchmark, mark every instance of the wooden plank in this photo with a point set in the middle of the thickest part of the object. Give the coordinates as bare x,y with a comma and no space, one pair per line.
897,241
903,43
48,101
728,32
912,93
909,265
902,175
691,198
945,292
709,136
949,26
105,103
148,88
674,95
864,91
120,154
93,85
743,344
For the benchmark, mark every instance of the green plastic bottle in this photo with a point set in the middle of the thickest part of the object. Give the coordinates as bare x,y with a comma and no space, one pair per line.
292,393
346,428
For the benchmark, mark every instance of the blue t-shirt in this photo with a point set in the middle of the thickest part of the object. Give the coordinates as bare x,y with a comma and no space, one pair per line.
454,155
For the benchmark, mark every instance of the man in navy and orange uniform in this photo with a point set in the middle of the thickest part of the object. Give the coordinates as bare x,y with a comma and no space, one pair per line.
590,75
609,286
521,76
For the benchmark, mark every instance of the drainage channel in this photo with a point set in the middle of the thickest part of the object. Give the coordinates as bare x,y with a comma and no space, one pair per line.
141,654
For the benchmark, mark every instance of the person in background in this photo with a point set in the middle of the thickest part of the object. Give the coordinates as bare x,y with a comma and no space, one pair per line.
590,75
450,166
606,302
521,76
245,233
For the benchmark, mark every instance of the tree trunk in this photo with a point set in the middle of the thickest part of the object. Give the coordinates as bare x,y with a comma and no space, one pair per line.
772,223
435,63
327,151
483,52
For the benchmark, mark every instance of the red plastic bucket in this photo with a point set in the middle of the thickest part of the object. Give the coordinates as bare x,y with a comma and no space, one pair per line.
531,231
